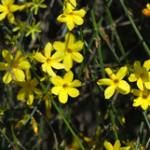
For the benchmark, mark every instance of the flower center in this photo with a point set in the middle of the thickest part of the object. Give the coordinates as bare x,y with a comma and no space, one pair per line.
65,85
48,60
29,85
144,96
15,65
116,81
71,13
142,75
69,50
8,9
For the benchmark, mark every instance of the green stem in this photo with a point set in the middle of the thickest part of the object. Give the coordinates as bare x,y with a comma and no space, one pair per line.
68,117
118,117
84,51
113,124
7,139
144,137
138,139
110,47
146,119
98,42
115,31
3,25
135,28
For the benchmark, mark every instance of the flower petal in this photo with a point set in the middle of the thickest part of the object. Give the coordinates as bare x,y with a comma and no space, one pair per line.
19,74
4,66
48,49
144,105
105,81
58,81
7,2
62,18
137,102
73,92
132,78
123,87
28,75
140,84
147,85
121,73
50,71
77,57
21,94
70,23
3,15
59,46
75,83
7,56
110,73
37,91
13,8
19,56
44,67
109,92
77,46
68,77
117,145
39,57
57,65
34,82
147,64
68,63
30,98
108,146
63,96
77,20
2,8
69,40
11,18
137,66
24,65
7,77
80,12
58,56
56,90
136,92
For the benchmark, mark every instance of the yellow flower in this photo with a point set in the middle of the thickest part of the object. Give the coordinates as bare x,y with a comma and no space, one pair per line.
146,11
65,86
117,145
72,17
48,60
7,8
143,99
141,74
28,88
16,71
70,49
115,82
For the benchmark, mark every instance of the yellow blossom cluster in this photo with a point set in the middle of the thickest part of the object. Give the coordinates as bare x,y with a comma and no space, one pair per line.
18,67
62,55
71,16
140,74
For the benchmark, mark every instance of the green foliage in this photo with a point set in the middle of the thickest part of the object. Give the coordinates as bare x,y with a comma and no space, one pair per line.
84,83
35,4
34,28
